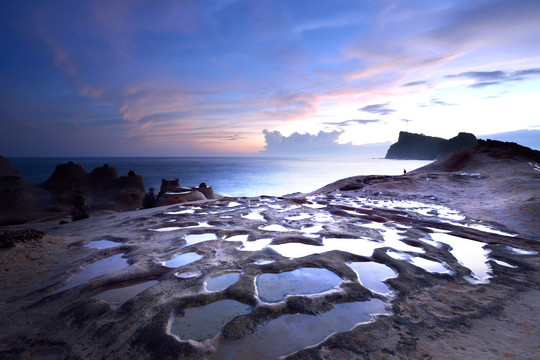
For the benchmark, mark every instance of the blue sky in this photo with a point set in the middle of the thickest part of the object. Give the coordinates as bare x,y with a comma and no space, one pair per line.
188,78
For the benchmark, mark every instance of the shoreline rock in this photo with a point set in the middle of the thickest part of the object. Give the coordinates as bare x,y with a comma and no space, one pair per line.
437,305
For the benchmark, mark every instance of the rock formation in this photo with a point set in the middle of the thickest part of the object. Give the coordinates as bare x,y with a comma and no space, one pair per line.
442,262
17,196
421,147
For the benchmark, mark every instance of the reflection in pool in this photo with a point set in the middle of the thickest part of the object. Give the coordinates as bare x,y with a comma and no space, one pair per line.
101,244
222,282
468,253
197,238
205,322
293,332
121,295
100,267
361,247
182,259
274,287
371,275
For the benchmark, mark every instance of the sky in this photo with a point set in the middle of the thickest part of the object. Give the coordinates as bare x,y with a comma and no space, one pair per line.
253,77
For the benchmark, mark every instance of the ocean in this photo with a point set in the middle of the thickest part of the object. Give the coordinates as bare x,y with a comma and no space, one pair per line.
234,176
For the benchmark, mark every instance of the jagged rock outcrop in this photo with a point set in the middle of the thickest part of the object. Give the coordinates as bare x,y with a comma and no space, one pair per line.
412,146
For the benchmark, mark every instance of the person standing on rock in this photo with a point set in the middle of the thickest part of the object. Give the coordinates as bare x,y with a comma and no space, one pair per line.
149,200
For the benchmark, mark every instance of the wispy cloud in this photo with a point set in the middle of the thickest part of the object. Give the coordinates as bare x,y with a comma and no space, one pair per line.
380,109
489,78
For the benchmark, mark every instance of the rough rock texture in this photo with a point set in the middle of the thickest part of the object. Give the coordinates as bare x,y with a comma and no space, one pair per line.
439,302
422,147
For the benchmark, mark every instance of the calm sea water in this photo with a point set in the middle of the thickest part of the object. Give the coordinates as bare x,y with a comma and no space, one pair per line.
235,176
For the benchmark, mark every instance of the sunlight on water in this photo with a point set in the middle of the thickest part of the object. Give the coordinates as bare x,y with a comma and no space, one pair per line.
468,253
361,247
198,238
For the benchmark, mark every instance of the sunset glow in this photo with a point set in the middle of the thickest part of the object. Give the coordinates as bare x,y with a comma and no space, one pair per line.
207,78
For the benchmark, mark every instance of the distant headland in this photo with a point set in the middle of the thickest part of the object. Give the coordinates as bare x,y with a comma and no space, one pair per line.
412,146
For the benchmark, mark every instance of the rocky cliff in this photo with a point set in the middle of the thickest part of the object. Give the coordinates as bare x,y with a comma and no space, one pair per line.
421,147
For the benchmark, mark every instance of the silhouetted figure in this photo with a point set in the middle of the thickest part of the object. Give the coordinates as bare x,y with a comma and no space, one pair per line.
203,185
131,173
79,209
149,200
404,171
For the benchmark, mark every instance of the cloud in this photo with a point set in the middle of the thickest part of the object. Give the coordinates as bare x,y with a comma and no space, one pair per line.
381,109
489,78
415,83
319,145
352,122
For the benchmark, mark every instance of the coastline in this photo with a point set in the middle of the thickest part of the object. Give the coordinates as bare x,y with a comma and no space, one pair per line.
439,314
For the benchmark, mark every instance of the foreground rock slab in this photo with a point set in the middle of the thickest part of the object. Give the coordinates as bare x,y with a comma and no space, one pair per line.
415,266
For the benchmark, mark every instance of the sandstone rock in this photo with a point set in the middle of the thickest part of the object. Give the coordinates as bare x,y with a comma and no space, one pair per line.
128,199
67,176
102,179
169,185
206,190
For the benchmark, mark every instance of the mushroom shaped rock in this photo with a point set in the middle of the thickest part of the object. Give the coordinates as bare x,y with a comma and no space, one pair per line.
103,178
65,177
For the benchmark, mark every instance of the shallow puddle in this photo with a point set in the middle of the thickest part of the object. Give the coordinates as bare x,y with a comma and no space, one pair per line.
392,237
198,238
182,259
361,247
205,322
181,212
98,268
372,274
293,332
468,253
121,295
242,238
101,244
430,266
275,287
275,227
255,245
222,282
255,215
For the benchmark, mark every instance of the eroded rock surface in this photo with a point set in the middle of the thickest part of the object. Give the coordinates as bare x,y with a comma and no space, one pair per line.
427,291
417,266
